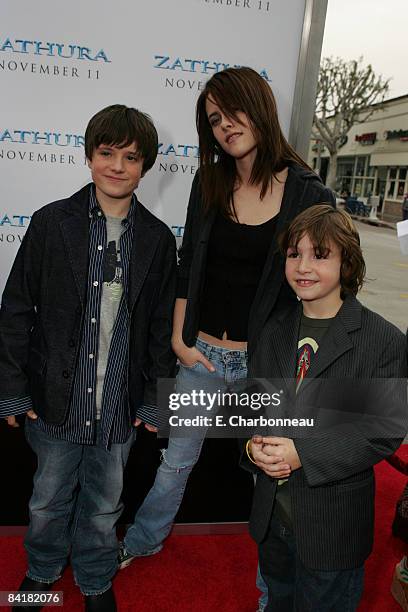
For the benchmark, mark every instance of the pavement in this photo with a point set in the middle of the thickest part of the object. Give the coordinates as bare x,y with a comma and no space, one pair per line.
374,221
386,288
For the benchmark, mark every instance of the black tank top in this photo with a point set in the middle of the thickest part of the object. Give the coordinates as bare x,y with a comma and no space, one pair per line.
235,260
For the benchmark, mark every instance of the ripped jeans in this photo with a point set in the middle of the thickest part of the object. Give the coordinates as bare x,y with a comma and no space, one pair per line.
155,517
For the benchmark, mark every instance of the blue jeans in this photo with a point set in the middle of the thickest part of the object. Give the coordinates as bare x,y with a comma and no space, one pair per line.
74,509
294,588
263,588
155,517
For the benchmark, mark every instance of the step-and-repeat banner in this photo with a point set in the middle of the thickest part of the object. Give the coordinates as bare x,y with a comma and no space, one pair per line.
61,62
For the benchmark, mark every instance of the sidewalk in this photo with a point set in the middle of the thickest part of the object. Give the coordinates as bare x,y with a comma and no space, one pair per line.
377,222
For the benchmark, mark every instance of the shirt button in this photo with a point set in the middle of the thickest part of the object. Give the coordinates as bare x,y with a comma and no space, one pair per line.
66,374
89,389
91,356
93,320
99,213
95,283
88,423
100,247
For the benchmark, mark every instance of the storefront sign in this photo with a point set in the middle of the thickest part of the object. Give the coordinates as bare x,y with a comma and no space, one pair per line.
366,139
397,135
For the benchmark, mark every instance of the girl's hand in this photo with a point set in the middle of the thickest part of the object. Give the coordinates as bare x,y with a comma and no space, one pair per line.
188,357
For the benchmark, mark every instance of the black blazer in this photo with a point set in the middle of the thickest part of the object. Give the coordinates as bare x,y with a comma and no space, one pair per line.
333,492
44,304
303,188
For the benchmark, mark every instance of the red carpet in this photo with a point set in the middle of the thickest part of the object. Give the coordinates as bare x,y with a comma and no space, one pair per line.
211,573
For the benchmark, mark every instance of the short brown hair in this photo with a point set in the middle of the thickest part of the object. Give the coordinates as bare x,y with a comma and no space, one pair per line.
324,224
240,89
121,126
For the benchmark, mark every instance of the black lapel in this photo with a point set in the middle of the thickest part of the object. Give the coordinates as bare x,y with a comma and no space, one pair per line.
146,235
200,258
207,225
273,271
285,340
336,341
203,242
75,232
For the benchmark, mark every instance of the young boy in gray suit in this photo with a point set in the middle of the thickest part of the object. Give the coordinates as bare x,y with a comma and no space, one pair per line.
313,508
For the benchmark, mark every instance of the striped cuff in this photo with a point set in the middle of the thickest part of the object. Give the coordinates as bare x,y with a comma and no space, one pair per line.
14,406
148,414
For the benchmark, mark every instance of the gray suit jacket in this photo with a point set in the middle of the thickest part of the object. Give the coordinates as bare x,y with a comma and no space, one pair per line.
332,494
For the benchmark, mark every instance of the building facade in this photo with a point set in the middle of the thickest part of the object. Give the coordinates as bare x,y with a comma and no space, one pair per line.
374,159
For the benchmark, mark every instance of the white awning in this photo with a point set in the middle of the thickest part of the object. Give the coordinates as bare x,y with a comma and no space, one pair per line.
389,159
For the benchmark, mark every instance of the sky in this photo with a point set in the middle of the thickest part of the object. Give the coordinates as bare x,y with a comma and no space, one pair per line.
374,29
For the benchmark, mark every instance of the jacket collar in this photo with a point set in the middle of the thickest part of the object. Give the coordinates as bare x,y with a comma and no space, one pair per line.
94,207
74,227
75,231
336,342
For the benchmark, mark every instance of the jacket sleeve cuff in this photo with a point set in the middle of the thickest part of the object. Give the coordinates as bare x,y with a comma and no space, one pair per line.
148,414
182,288
14,406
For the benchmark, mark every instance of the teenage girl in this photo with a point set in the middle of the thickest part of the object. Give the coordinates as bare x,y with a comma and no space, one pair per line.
250,185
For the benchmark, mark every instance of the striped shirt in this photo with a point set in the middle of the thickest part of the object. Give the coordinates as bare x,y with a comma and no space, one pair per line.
80,424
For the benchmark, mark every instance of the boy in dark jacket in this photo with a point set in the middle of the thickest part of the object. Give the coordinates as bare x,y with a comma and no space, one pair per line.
85,330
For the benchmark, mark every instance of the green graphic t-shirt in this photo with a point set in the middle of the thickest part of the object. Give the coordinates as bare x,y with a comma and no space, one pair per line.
310,336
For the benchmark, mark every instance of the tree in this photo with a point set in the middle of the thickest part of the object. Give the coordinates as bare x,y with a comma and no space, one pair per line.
346,92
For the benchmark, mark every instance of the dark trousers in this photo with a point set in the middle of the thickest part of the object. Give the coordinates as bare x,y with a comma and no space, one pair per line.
294,588
74,509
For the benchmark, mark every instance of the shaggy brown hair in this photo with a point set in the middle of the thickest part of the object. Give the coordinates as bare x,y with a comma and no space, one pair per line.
324,225
121,126
233,90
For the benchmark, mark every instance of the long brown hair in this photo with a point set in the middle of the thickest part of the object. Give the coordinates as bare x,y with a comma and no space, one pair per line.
240,89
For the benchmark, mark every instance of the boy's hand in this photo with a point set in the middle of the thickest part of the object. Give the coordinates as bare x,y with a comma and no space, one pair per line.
273,465
147,426
282,447
11,420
